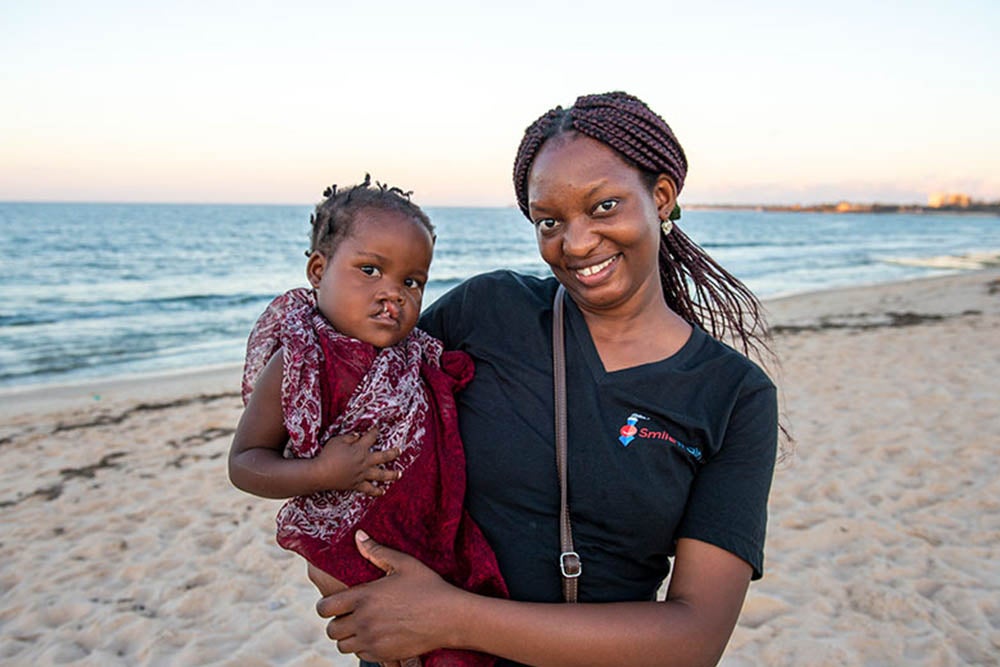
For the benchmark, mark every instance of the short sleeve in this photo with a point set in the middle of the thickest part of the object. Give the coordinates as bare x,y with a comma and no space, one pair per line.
727,504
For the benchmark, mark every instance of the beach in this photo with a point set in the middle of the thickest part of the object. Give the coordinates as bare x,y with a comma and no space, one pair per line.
125,544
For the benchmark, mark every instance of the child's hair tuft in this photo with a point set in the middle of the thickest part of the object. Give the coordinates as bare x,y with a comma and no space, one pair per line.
335,216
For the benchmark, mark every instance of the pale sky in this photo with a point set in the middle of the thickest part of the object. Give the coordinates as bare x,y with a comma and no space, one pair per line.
249,102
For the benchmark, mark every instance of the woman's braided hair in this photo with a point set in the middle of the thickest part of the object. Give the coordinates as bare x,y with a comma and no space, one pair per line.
336,215
695,286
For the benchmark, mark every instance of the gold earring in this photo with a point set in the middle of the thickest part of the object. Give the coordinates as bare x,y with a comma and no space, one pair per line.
667,226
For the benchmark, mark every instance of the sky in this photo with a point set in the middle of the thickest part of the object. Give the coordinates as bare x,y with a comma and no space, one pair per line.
249,102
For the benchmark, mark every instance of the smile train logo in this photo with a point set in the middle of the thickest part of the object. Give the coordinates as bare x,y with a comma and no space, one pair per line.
628,431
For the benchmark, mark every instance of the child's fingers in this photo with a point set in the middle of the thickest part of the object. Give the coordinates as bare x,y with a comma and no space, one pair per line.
369,489
368,438
384,456
382,475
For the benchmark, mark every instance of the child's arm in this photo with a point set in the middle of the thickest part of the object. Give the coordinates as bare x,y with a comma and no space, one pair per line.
257,466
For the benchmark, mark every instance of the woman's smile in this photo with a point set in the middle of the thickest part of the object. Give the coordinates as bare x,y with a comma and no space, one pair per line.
595,273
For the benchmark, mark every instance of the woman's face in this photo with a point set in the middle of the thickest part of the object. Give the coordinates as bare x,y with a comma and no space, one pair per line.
597,223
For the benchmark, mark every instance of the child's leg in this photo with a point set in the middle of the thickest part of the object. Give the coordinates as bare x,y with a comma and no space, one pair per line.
327,584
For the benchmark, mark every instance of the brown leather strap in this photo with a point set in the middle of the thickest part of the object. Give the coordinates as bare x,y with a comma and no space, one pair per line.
569,561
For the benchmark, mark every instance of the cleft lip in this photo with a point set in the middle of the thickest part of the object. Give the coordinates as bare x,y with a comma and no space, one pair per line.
388,310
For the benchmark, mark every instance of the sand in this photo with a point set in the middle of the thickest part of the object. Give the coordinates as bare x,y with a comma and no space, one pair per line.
124,544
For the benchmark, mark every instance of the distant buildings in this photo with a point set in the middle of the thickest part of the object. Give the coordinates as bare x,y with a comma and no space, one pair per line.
938,202
949,200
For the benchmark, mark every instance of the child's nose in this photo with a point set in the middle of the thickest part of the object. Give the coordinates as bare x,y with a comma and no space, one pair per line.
393,293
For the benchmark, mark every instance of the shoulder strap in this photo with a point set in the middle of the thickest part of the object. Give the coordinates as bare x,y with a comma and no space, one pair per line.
569,560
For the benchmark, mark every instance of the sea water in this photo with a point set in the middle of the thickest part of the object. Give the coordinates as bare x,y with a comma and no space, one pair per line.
98,290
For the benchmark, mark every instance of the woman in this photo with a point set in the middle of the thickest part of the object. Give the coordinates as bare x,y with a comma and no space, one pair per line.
672,434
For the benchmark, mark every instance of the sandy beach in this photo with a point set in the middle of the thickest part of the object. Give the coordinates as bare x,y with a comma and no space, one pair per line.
124,543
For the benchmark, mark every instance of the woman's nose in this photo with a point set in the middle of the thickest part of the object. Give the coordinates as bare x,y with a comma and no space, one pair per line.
578,238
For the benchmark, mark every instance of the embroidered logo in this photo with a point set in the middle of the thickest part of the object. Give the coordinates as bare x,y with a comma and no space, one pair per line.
626,433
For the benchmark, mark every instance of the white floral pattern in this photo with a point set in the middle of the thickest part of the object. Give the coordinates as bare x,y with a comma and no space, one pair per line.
391,396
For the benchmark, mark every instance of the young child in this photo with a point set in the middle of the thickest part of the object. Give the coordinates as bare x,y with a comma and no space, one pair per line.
329,370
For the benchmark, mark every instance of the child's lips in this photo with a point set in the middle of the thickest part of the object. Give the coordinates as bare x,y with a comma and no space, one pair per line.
390,311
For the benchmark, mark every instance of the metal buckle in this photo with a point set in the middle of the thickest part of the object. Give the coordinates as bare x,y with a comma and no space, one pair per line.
570,565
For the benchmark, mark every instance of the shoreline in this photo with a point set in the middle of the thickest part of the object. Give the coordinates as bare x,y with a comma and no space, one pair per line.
786,313
991,209
151,388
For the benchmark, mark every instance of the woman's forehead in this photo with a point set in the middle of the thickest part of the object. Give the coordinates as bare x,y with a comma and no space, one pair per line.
576,161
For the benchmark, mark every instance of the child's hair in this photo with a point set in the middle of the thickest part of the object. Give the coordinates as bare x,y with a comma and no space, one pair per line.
694,285
335,216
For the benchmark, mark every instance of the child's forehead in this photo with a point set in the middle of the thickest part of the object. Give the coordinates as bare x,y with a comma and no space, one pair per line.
390,234
376,215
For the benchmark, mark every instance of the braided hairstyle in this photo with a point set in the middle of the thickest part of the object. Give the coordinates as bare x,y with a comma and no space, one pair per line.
695,286
336,215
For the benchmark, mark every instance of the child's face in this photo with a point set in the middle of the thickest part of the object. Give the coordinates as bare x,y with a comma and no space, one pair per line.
372,287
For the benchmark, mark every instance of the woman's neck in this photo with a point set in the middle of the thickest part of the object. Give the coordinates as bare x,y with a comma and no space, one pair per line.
641,335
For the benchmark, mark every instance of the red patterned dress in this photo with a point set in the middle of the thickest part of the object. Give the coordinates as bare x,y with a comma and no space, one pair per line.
334,384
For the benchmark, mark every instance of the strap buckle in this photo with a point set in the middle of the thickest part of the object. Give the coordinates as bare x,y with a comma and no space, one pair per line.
570,565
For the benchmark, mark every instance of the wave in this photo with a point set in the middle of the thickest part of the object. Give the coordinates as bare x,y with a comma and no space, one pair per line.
971,261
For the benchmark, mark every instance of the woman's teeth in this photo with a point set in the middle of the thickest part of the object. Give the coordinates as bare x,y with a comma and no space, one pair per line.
591,270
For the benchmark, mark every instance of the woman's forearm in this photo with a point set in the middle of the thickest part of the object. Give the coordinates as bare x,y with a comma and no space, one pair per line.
692,627
626,633
412,611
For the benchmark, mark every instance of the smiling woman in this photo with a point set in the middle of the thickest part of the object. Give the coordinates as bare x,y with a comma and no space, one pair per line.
671,433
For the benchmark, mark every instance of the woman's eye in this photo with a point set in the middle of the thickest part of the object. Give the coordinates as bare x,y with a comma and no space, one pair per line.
606,205
546,224
370,270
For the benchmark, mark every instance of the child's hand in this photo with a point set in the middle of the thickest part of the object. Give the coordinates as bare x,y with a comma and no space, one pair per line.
346,462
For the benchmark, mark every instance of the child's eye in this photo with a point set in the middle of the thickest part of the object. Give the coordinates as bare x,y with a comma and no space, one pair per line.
371,270
413,283
606,205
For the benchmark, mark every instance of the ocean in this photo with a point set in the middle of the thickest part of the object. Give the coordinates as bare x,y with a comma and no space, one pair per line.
100,290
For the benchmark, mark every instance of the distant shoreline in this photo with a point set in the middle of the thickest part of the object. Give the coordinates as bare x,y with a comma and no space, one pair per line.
848,207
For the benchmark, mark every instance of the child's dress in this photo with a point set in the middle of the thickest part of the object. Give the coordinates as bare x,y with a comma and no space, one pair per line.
334,384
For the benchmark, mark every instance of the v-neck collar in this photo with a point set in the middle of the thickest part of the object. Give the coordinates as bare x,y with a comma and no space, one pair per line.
578,335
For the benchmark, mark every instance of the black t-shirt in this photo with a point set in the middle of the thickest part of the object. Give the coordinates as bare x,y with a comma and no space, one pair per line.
682,447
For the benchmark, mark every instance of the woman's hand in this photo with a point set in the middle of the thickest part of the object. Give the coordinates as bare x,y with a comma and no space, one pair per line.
403,614
347,463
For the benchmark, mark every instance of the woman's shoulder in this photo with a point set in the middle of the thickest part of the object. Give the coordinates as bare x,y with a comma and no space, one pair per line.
726,360
498,291
493,301
511,282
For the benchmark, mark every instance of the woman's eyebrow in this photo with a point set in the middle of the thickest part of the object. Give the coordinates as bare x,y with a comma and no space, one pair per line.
541,208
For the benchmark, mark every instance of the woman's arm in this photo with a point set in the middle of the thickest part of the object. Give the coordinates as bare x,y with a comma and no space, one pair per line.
257,464
412,611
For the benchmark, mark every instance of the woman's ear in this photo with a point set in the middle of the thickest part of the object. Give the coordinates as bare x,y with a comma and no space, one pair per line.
665,196
315,268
